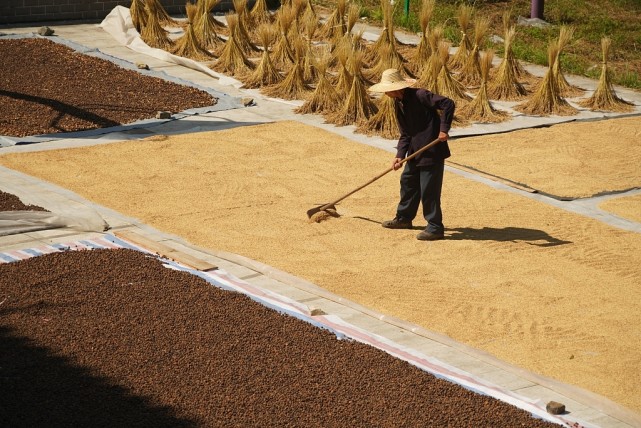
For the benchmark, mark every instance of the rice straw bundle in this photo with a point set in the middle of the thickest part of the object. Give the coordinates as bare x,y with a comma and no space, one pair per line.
480,109
138,14
446,84
242,35
282,53
310,18
232,59
547,99
265,73
358,106
565,89
470,73
387,38
384,123
429,73
604,98
335,26
153,34
345,77
259,14
385,61
423,50
299,7
205,26
308,21
464,16
505,85
293,87
325,98
310,73
188,45
161,14
432,66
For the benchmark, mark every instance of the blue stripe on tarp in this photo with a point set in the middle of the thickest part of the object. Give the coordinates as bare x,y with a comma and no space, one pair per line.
33,252
8,258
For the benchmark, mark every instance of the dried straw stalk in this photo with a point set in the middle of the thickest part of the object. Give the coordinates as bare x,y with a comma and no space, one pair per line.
505,84
423,50
241,33
565,88
265,73
480,109
384,123
325,98
282,53
335,25
293,87
232,58
310,73
522,75
547,99
205,26
153,34
259,14
387,37
343,81
470,73
604,97
353,14
138,14
358,106
385,61
161,14
464,17
446,84
432,66
188,45
309,21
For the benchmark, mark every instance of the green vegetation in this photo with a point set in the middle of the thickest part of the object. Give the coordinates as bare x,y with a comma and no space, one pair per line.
592,19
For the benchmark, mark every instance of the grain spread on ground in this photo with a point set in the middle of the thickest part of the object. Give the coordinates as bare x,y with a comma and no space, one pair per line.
548,290
570,160
627,207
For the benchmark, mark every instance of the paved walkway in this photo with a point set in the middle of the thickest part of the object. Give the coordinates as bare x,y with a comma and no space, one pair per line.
582,406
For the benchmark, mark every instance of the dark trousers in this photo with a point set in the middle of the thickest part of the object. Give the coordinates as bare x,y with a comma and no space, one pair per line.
422,185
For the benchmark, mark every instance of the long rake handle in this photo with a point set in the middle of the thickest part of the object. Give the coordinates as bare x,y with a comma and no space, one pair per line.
412,156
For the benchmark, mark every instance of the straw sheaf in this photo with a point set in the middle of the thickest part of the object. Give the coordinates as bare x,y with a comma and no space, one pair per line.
604,97
547,99
505,84
480,109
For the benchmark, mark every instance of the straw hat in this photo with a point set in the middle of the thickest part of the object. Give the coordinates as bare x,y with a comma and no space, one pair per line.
391,80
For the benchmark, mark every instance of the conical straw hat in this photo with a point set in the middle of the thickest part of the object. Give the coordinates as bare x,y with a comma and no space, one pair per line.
391,80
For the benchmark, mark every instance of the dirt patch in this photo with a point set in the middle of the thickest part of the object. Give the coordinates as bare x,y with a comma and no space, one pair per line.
77,92
569,160
112,336
542,288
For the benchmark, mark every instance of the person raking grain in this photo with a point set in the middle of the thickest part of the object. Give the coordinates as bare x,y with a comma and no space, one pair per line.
423,116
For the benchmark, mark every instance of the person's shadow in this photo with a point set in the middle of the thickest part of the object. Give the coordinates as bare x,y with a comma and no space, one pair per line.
506,234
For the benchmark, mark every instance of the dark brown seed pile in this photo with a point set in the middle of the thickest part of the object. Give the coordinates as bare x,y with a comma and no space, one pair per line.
111,338
46,87
9,202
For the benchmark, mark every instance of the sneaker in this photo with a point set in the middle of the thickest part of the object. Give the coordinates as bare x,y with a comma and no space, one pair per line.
397,223
429,236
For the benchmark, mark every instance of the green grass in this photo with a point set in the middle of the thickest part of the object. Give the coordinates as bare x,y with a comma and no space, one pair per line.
592,19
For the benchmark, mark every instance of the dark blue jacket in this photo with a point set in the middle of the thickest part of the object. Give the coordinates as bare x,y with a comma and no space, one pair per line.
420,123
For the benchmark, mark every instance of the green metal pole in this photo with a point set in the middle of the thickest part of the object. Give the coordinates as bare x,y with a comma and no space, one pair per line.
407,8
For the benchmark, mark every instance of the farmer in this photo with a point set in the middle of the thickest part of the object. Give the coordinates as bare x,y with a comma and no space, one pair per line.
420,122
